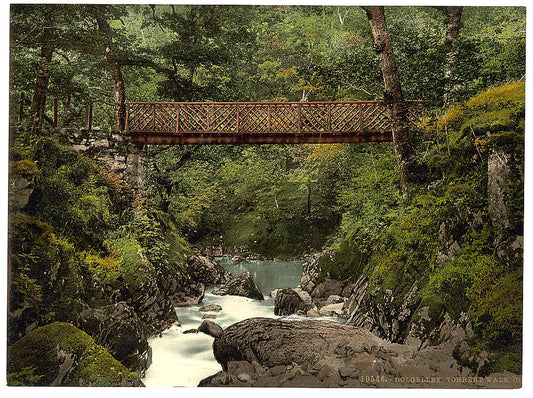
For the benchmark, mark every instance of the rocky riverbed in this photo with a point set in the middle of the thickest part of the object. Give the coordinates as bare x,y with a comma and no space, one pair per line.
263,352
375,348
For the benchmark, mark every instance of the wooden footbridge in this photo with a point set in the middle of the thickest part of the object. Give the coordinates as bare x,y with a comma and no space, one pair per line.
180,123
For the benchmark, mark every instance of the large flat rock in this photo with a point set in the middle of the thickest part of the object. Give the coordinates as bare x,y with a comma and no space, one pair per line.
265,352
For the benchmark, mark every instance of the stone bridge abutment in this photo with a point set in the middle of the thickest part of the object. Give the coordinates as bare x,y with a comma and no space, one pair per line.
111,150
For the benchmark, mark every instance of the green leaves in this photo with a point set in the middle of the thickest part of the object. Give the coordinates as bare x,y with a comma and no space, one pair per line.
81,232
246,53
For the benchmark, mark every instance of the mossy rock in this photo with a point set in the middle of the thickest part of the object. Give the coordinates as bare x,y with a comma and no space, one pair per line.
63,355
495,110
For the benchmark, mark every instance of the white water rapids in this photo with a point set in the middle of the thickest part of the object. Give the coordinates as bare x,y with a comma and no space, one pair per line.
184,359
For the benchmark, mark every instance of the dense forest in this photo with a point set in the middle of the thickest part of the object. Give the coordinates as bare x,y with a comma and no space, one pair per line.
82,239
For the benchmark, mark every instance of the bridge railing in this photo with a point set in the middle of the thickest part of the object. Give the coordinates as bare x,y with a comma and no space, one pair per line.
263,117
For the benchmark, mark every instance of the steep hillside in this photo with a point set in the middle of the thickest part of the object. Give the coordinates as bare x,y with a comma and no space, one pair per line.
452,250
87,250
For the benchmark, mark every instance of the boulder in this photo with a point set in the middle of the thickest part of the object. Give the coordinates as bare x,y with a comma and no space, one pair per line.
240,367
59,354
193,294
273,342
276,353
211,308
327,288
384,314
306,297
154,304
315,282
288,302
236,259
181,289
244,286
332,310
334,299
22,191
119,328
312,313
218,379
206,271
210,328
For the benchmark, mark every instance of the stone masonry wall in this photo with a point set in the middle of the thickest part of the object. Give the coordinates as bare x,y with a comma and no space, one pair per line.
109,149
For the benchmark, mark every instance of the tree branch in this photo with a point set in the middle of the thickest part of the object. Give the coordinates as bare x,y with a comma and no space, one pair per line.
24,38
64,56
376,96
182,160
146,63
185,157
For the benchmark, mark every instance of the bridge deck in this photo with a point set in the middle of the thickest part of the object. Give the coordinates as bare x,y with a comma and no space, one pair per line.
178,123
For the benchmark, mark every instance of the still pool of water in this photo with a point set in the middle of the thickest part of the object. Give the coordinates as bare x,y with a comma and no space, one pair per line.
268,274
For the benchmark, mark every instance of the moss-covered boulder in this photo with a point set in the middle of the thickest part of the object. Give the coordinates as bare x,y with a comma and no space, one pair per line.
119,328
60,354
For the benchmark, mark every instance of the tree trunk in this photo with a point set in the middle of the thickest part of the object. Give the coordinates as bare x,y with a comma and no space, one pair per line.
453,25
393,94
69,112
165,180
308,198
166,197
21,109
114,67
38,104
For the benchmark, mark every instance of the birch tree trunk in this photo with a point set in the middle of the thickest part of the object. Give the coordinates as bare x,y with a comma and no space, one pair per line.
393,94
453,25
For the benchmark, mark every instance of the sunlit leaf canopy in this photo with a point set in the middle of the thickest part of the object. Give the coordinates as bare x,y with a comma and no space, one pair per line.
259,52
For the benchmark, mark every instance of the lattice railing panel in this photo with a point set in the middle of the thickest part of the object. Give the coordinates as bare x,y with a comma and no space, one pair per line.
415,112
284,118
345,117
264,117
253,119
164,118
140,117
375,118
224,118
315,118
193,118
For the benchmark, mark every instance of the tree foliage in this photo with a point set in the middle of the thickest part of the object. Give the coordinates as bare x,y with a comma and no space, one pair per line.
83,227
227,53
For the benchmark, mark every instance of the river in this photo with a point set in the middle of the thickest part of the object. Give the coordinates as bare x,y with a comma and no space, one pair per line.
183,359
